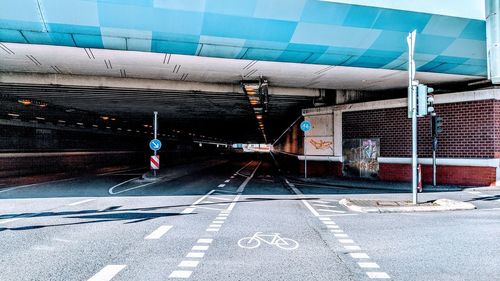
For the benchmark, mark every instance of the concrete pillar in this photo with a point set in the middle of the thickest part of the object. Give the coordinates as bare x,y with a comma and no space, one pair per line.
493,39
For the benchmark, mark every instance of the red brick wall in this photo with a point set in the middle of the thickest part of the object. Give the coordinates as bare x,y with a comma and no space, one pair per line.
469,130
454,175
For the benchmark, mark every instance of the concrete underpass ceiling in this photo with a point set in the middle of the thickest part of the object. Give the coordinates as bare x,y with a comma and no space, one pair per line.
226,116
30,58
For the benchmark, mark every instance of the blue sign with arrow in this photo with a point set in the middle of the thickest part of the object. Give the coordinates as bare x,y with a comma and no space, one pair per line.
305,126
155,144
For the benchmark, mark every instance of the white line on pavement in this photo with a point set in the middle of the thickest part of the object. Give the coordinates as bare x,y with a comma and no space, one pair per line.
188,264
212,229
159,232
328,222
331,211
204,241
188,211
218,222
359,256
378,275
107,273
195,255
325,206
221,185
180,274
346,241
340,235
324,219
352,247
226,181
199,248
368,265
80,202
336,230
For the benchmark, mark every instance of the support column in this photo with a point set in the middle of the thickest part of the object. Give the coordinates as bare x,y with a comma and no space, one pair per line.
493,39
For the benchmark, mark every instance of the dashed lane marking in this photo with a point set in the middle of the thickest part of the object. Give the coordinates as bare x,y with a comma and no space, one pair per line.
188,211
80,202
107,273
188,264
204,241
159,232
195,255
199,248
378,275
221,185
352,247
368,265
359,255
226,181
346,241
180,274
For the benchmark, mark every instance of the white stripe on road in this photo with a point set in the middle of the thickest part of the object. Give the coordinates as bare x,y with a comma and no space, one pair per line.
328,222
218,222
336,230
107,273
221,185
341,235
359,255
332,226
199,248
324,219
80,202
159,232
368,265
188,264
226,181
352,247
204,241
195,255
188,211
378,275
212,229
346,241
332,211
180,274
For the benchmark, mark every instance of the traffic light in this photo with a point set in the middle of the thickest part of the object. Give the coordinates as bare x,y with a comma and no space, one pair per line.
424,102
437,125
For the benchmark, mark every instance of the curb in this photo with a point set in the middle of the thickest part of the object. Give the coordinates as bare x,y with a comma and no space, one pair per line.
440,205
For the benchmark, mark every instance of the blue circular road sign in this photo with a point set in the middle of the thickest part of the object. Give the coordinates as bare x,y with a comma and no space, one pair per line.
155,144
305,126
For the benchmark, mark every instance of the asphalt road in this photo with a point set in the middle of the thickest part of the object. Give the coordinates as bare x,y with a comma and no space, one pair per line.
236,220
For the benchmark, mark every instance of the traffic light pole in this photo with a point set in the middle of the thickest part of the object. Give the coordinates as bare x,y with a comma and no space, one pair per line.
412,107
434,147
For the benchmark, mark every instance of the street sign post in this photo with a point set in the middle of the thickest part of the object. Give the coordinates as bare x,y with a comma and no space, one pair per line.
154,162
305,126
155,145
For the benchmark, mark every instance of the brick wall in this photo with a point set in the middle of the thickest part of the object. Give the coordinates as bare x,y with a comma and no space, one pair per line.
469,130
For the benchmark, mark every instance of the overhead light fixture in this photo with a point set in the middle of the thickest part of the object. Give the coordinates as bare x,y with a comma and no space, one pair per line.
105,118
25,102
39,118
79,123
13,114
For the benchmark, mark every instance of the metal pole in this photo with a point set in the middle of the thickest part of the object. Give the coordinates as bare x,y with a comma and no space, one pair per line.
434,147
412,99
155,123
305,166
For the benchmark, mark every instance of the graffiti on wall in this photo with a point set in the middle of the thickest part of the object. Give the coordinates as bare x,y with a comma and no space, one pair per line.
321,144
361,158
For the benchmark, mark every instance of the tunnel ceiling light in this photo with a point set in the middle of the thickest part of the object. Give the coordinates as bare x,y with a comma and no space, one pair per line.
24,102
105,118
61,121
39,118
113,119
69,110
13,114
119,129
79,123
95,126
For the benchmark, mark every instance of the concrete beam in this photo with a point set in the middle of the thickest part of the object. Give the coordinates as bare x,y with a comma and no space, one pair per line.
142,84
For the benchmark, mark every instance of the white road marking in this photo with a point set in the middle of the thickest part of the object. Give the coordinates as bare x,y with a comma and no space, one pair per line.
180,274
474,192
110,191
232,177
332,211
359,256
159,232
218,222
328,222
321,201
352,247
336,230
247,180
34,184
221,185
332,226
11,220
204,241
188,211
195,255
326,206
226,181
212,229
199,248
107,273
368,265
80,202
233,203
340,235
378,275
188,264
346,241
220,198
324,219
221,218
203,197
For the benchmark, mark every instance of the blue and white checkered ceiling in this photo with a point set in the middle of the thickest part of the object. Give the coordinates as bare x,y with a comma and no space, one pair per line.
301,31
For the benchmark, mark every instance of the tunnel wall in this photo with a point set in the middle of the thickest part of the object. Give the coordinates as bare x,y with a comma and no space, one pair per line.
468,151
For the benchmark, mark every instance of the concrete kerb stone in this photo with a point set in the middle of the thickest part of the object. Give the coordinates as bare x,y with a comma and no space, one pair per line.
436,206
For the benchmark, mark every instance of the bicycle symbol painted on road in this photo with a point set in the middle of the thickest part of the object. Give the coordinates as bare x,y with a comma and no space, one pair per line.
273,239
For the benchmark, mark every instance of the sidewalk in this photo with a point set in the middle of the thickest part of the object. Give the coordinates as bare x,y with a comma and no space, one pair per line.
380,185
